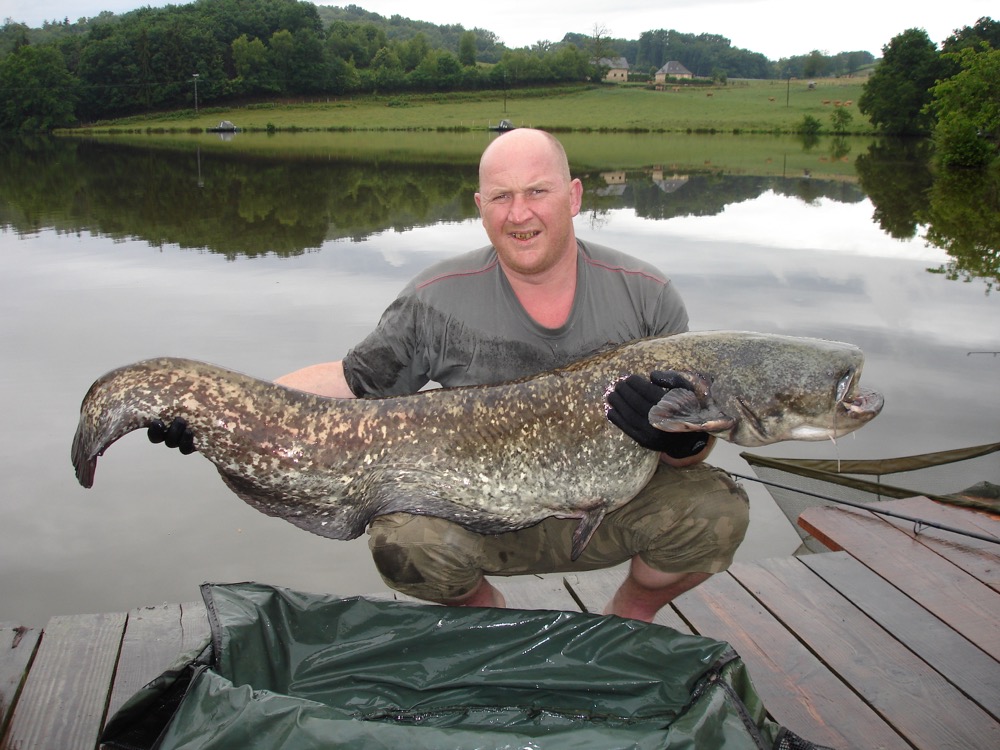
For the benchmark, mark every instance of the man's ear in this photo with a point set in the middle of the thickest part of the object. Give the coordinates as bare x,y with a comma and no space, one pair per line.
576,195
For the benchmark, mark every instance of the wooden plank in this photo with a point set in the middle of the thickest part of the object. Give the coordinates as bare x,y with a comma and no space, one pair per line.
63,700
17,647
154,639
960,662
918,702
796,687
596,587
969,606
977,557
532,592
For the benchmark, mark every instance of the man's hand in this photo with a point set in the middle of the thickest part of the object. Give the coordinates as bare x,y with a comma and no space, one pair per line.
176,435
630,403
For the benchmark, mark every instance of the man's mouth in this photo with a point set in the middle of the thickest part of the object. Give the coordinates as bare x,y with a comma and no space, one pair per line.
524,236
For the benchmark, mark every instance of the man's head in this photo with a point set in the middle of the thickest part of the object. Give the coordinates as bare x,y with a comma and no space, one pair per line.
527,200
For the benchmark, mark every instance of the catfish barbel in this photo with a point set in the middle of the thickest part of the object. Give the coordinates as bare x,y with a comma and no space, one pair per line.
491,458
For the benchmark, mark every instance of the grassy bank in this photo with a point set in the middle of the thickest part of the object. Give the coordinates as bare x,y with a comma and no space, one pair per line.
739,107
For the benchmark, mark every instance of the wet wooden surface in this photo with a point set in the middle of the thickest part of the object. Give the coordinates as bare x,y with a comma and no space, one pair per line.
891,641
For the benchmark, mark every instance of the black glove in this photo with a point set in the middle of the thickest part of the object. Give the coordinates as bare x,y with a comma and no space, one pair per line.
630,403
176,435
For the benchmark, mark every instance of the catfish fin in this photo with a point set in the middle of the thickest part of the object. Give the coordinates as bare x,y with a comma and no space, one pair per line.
681,410
588,525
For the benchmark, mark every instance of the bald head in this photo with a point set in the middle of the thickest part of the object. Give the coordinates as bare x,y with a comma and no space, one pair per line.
527,201
524,143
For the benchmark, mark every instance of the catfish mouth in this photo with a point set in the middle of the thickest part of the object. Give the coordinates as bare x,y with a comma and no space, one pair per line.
862,404
855,402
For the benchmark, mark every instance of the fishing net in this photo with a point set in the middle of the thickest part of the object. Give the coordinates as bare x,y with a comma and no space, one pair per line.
968,477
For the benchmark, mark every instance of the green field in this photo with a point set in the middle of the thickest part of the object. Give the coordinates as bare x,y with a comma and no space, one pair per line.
739,107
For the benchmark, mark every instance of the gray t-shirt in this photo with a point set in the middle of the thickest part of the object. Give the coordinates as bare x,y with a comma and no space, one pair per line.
460,323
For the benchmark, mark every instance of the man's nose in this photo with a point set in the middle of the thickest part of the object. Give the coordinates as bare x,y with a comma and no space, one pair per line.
520,210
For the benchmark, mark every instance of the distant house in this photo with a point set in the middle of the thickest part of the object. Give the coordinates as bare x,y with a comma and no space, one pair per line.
617,69
672,69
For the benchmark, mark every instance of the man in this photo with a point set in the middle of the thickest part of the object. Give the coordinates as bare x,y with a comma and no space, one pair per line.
535,299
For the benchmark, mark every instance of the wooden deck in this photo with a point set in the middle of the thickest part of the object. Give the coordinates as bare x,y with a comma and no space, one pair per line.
892,641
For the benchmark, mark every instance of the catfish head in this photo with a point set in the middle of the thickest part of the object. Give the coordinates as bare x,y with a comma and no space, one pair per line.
756,389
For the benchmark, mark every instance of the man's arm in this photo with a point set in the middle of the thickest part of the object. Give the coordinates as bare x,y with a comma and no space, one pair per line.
325,379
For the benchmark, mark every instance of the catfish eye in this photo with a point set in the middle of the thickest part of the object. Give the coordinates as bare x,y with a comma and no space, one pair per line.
844,385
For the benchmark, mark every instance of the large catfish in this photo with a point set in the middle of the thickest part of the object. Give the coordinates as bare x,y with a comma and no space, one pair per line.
492,458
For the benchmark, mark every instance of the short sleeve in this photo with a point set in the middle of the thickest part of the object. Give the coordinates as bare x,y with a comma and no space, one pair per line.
387,361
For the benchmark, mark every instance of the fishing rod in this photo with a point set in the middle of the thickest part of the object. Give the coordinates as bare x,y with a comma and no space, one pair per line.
873,508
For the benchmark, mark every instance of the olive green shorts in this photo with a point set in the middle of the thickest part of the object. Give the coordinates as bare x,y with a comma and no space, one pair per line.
684,520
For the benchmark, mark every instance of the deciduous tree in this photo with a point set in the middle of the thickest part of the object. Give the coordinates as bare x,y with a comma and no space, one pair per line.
966,108
467,49
36,90
895,96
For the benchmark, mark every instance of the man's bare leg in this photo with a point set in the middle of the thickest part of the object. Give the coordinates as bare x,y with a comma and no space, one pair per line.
484,595
645,591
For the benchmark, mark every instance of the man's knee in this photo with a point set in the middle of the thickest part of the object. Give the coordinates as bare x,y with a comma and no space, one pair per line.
424,557
701,521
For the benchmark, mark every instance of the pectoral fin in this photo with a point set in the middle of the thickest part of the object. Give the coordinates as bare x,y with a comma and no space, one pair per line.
681,410
588,525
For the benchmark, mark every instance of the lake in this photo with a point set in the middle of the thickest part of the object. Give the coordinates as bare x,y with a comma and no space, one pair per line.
267,253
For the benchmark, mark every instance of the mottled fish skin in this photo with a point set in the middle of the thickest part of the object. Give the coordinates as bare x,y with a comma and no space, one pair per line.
492,458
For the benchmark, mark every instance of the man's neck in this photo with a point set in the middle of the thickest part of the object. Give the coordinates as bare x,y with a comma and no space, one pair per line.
547,297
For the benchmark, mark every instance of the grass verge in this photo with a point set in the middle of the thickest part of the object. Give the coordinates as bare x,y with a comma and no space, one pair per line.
740,107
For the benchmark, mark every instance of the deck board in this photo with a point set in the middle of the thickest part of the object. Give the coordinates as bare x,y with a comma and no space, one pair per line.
17,647
975,556
154,639
797,688
63,701
531,592
957,659
900,686
967,604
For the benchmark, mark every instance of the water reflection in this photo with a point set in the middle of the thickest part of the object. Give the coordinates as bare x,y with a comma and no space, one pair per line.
252,202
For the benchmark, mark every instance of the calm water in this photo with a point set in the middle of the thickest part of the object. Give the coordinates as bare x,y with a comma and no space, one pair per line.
110,254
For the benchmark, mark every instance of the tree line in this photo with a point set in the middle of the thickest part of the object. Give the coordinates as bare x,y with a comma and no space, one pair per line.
112,66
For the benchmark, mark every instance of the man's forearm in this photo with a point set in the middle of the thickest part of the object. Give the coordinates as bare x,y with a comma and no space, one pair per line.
326,379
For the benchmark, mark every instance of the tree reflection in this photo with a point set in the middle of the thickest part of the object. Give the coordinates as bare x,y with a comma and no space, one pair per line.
896,176
240,204
958,210
231,204
963,218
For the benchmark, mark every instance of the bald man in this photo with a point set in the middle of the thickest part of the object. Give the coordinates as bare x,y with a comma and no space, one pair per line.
535,298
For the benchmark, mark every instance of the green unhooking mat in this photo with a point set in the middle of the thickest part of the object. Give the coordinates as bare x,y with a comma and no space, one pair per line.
292,670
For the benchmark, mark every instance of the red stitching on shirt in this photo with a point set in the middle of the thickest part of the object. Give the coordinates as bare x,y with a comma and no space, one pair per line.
453,274
622,269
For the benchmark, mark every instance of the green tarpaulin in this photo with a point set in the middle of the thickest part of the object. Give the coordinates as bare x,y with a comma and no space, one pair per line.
292,670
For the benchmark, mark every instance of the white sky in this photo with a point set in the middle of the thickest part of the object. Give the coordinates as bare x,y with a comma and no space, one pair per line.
776,28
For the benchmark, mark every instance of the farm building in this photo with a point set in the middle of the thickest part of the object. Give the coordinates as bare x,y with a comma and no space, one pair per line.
672,69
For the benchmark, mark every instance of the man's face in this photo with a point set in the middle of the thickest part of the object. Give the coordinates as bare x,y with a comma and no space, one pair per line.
527,203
